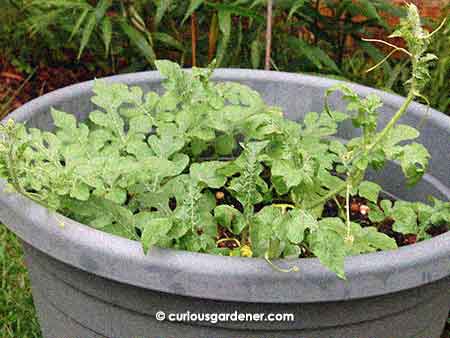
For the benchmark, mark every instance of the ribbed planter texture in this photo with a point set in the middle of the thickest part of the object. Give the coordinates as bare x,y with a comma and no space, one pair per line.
90,284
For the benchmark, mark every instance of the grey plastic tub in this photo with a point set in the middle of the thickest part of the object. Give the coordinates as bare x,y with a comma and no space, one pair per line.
89,284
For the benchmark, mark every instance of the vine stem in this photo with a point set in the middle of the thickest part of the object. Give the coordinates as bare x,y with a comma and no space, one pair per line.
393,121
283,206
369,148
229,239
347,203
13,175
438,28
277,268
12,170
396,48
383,60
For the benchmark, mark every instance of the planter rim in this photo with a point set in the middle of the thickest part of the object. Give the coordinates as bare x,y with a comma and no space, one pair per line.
203,275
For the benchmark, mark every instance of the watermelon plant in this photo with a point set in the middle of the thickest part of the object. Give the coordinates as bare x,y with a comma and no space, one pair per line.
209,167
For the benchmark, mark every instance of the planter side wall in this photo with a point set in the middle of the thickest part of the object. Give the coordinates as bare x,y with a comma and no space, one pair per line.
73,302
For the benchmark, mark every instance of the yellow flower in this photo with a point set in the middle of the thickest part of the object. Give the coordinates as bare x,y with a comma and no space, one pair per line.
246,251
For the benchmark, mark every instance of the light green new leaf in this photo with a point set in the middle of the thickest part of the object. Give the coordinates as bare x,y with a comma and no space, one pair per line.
111,121
154,229
168,69
379,240
165,145
110,96
296,222
194,209
414,161
290,175
262,229
405,219
80,191
164,167
397,134
63,120
369,190
327,243
207,172
140,125
117,195
248,186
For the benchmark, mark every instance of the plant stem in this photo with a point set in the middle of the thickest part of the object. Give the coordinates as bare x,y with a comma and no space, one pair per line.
369,148
12,171
277,268
268,35
231,239
388,127
283,206
396,48
393,121
194,39
15,181
347,203
245,234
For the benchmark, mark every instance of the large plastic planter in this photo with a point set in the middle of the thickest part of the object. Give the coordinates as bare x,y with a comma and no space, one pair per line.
89,284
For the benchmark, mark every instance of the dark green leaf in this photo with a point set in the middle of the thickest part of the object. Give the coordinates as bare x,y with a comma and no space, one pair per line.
162,8
107,34
194,4
139,40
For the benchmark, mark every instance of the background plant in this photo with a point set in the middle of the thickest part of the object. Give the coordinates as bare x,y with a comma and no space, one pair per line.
308,36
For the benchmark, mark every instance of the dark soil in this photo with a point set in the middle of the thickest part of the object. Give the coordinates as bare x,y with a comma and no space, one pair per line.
359,213
225,239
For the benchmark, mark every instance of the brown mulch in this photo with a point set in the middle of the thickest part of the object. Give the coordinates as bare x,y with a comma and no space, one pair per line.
46,78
